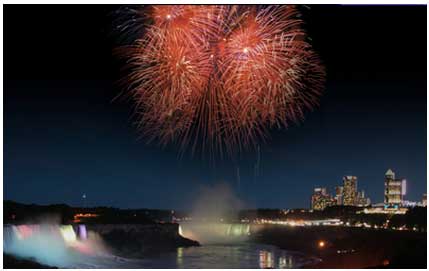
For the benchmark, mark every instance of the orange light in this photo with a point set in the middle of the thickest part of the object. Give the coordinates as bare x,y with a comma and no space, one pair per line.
322,244
76,217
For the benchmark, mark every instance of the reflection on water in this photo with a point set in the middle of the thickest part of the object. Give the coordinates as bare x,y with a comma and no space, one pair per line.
244,256
231,256
267,259
179,256
283,262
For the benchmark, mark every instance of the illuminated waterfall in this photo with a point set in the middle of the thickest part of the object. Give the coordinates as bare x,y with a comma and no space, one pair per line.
208,233
68,233
9,234
45,243
238,229
180,230
55,245
83,235
12,233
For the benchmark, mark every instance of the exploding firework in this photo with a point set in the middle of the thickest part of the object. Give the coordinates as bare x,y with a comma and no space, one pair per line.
216,77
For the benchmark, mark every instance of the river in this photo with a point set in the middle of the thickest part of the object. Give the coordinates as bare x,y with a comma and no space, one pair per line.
234,256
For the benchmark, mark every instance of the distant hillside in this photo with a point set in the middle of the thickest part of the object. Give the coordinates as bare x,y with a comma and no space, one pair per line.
15,213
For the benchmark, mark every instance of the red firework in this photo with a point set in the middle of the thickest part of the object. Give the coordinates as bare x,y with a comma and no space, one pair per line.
218,77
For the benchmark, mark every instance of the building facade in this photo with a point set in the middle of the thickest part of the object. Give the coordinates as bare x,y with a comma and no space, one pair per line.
361,200
349,190
321,199
394,189
339,195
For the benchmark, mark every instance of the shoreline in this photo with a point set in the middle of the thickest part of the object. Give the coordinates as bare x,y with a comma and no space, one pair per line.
13,262
348,247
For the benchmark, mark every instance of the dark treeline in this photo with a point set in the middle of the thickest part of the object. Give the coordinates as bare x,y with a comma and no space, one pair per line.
16,213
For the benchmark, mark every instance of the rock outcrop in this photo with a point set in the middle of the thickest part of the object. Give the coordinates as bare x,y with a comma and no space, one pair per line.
140,240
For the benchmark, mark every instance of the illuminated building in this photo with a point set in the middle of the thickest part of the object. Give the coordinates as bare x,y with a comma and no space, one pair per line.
321,190
382,210
407,203
361,200
321,199
424,200
349,190
404,187
394,190
339,195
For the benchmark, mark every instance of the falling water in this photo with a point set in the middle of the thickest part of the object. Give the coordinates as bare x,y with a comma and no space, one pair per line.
55,245
83,235
215,233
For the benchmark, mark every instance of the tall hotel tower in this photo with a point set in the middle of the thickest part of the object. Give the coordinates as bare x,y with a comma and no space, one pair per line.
394,189
349,190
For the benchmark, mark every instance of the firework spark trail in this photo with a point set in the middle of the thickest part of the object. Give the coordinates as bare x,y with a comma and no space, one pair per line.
217,78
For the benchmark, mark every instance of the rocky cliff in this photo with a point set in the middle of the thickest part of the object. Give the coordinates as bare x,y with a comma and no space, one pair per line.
140,240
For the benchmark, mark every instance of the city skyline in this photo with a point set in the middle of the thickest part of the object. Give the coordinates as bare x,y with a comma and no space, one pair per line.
349,193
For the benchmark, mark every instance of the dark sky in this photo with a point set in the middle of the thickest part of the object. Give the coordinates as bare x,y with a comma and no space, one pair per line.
64,136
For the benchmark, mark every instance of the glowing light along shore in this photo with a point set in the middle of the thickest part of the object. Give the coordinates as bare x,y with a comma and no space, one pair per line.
332,222
218,77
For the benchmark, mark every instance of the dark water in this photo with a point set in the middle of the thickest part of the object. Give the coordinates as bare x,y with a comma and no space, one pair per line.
210,256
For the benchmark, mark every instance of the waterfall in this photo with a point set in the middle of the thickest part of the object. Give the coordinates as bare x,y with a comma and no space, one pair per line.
83,235
215,232
9,233
68,233
55,245
41,242
12,233
238,230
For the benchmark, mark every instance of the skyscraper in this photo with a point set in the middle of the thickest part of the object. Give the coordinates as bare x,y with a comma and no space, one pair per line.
394,189
321,190
350,190
339,195
403,188
361,200
321,199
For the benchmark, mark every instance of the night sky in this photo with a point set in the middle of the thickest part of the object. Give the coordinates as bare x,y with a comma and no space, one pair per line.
65,135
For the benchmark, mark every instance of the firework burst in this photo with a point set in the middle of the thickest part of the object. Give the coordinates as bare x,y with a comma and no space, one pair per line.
217,78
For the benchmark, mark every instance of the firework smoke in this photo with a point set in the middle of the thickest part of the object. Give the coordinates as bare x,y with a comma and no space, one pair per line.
217,78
